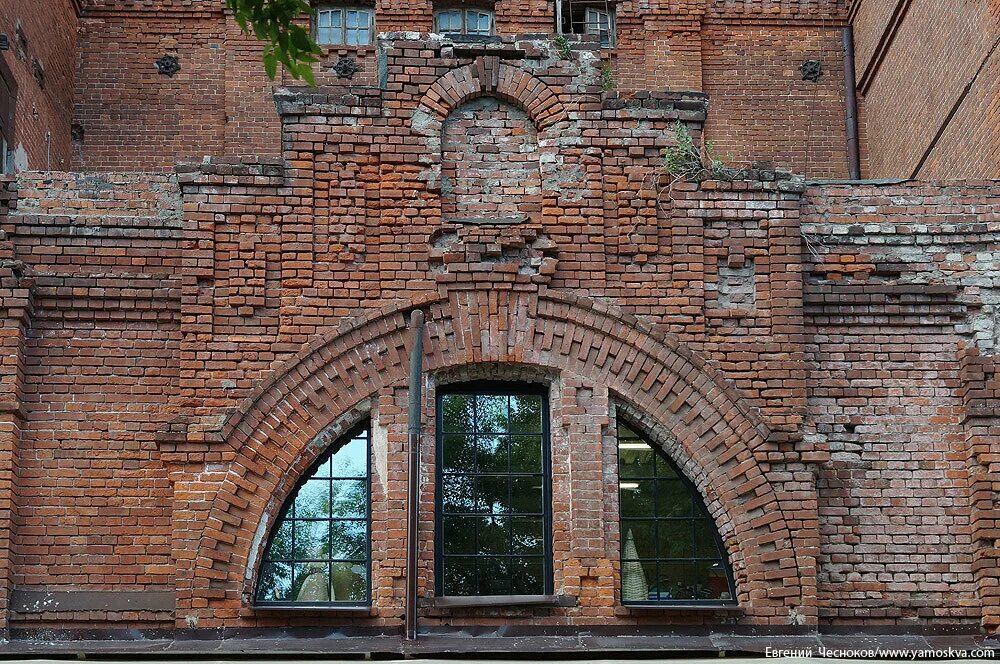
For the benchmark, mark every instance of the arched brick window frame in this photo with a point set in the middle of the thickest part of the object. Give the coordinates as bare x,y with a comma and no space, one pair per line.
721,442
488,76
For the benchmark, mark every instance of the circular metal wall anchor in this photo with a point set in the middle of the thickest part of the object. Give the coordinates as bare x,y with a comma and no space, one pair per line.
811,70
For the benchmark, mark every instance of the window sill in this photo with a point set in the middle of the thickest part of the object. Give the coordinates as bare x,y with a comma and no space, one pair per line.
499,601
680,607
356,609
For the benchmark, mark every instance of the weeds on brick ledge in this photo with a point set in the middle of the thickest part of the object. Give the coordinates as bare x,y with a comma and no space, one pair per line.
687,162
607,78
562,45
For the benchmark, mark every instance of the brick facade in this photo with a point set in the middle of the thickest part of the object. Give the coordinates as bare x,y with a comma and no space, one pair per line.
179,347
928,77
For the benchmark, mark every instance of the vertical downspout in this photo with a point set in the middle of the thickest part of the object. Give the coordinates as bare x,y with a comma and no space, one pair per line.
413,471
559,18
851,85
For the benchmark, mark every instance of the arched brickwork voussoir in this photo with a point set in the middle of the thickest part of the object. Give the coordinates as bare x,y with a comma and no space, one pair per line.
717,433
488,76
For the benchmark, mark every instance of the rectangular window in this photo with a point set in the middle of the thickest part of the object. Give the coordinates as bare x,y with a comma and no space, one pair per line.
493,516
589,18
344,26
464,21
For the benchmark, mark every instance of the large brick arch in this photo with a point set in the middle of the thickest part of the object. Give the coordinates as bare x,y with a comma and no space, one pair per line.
720,441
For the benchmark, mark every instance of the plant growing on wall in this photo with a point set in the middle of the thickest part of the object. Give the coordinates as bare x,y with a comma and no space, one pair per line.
685,160
285,41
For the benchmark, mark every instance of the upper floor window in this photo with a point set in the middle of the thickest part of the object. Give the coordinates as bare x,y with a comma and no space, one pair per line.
671,550
493,516
344,26
464,21
583,18
319,550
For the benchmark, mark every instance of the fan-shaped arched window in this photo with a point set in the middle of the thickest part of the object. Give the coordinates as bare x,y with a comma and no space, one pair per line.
319,551
671,550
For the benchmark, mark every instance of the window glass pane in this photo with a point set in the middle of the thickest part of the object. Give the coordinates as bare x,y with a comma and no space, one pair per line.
312,582
458,494
458,413
527,494
275,584
635,459
637,498
349,582
329,26
348,540
318,552
449,21
459,454
494,576
460,533
281,543
527,576
493,495
493,522
494,536
459,576
669,547
527,536
526,413
350,499
491,413
351,460
491,454
477,22
312,540
313,500
673,498
643,539
525,454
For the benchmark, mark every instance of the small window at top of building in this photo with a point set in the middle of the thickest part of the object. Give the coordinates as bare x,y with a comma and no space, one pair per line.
344,26
464,21
590,18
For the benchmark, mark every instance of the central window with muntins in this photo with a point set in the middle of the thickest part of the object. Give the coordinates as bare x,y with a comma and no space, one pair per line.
493,516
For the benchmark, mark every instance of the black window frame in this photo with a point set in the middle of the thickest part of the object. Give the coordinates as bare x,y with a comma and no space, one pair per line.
698,504
493,388
342,440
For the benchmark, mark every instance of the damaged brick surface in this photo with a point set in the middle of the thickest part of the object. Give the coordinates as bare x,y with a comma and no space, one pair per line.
817,359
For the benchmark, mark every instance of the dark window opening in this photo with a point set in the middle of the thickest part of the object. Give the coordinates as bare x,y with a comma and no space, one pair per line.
7,102
464,21
320,547
590,18
493,513
671,550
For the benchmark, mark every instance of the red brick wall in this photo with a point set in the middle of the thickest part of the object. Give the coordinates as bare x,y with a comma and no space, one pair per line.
43,112
927,74
901,317
819,361
744,55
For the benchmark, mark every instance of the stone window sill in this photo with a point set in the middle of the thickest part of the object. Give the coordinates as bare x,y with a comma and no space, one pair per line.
680,607
356,609
499,601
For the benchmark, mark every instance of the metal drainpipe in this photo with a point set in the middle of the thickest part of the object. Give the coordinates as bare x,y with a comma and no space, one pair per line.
851,84
413,471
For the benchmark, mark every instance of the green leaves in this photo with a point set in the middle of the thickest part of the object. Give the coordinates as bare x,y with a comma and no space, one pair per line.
286,42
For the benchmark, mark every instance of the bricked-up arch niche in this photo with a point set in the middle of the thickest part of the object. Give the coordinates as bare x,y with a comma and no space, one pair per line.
490,167
671,551
319,552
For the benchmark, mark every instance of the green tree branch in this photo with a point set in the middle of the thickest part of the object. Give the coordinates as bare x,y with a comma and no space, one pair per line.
285,41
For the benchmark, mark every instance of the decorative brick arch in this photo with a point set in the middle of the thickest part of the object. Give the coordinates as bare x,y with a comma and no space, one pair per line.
720,440
489,76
